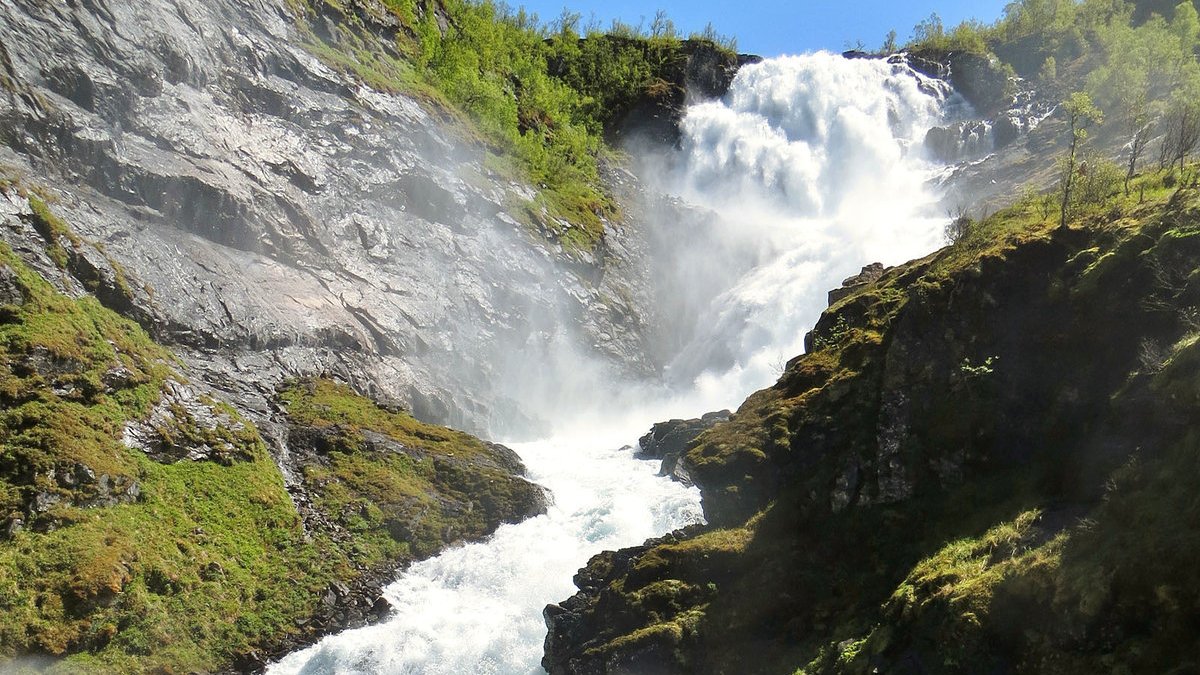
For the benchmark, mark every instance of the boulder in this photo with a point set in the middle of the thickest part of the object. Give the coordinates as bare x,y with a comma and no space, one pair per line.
669,440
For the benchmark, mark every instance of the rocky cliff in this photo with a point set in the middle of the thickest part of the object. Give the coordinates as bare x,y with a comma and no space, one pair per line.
276,217
982,463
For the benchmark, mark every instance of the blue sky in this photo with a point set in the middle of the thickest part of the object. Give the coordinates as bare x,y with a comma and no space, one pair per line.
770,28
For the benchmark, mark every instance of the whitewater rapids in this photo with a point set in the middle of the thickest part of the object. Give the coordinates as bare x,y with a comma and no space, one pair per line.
815,165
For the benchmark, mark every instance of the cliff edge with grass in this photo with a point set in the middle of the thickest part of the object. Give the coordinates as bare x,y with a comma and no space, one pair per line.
985,461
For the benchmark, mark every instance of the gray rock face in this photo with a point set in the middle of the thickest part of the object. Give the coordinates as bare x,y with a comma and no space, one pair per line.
274,218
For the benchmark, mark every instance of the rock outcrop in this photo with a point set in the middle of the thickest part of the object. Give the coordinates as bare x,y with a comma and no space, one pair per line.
668,441
960,453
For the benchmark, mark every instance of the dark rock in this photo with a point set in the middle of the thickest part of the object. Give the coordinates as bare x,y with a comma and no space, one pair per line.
869,274
980,78
669,441
380,608
212,571
1005,131
579,623
706,73
961,140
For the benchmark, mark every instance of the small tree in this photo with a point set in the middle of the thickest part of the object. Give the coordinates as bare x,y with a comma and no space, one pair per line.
1183,132
930,33
662,26
959,225
889,43
1081,113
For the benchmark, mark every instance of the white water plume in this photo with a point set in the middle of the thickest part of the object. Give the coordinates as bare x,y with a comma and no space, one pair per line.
813,164
816,163
477,608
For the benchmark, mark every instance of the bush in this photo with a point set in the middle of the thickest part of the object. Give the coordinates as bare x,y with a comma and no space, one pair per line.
1097,181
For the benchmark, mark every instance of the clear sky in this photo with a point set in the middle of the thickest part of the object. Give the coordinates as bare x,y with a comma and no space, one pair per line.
773,27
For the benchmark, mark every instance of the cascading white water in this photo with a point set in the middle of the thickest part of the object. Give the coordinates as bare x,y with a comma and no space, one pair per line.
817,163
814,164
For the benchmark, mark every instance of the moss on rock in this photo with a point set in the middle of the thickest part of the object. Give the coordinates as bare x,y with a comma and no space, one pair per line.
970,470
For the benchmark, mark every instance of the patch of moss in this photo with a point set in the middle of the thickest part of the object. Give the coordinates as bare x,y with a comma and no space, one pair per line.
199,562
55,231
405,488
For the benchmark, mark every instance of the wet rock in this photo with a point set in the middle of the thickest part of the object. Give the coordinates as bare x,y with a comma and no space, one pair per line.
186,425
44,501
1006,131
958,141
11,291
669,441
270,217
579,623
980,78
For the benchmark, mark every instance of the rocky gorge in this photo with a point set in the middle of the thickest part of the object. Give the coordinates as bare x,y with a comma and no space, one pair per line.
251,262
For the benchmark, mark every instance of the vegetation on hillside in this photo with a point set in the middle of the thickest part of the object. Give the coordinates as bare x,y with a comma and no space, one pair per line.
1136,59
542,96
983,463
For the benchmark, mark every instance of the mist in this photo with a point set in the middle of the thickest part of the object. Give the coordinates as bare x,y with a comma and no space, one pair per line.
809,168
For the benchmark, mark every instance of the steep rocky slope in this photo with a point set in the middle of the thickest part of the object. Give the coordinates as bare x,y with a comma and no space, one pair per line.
145,523
275,216
983,464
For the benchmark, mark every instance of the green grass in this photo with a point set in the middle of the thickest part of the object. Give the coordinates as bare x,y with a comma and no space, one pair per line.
208,560
541,102
205,560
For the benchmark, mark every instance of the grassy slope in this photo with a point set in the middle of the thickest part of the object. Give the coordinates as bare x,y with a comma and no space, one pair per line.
491,70
899,501
125,564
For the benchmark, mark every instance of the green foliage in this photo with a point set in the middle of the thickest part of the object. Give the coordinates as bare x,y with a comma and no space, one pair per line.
120,563
404,488
1081,113
129,586
931,35
1098,180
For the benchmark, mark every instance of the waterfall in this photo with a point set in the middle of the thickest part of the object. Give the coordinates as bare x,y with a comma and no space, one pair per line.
815,167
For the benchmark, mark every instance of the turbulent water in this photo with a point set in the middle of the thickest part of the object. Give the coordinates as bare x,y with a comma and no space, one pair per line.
477,608
815,167
816,164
